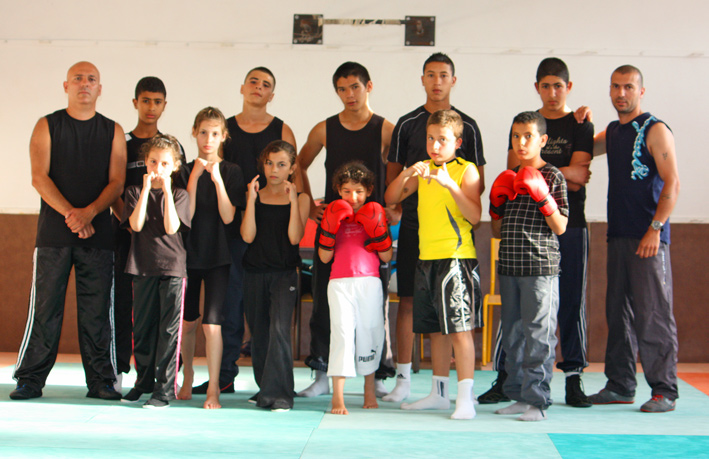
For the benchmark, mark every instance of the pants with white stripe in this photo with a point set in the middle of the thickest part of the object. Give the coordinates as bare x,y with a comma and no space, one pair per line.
158,317
94,279
529,308
573,245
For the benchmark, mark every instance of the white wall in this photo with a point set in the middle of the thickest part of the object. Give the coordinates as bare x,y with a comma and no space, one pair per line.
202,51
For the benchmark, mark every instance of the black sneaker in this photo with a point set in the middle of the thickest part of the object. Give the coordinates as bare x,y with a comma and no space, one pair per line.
254,398
132,396
574,393
280,406
25,392
155,403
105,392
495,394
224,388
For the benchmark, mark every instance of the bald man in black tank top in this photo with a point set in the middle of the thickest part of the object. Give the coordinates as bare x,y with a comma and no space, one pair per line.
78,161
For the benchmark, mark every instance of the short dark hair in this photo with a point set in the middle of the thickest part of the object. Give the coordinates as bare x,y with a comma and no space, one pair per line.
349,69
535,118
274,147
553,66
447,118
355,172
627,68
440,57
264,70
150,84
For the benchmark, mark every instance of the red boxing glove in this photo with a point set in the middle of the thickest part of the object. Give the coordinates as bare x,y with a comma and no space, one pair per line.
373,218
502,190
530,181
335,213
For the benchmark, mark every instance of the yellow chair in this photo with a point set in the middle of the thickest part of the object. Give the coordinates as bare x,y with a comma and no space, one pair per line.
490,300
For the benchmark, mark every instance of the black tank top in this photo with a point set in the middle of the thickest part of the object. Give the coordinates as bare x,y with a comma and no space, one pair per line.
80,160
271,249
364,145
244,148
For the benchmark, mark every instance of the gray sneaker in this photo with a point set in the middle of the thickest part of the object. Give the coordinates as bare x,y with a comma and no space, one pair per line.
607,397
658,404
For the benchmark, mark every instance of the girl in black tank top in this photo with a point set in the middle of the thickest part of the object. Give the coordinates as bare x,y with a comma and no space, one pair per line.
273,225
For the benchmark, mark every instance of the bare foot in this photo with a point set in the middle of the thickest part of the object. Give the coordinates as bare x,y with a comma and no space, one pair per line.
370,402
339,409
370,394
185,392
212,402
338,397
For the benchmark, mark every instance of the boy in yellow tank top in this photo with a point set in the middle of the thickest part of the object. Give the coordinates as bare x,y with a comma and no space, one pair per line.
449,205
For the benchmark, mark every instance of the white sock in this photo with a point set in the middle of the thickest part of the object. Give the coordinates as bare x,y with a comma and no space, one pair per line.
380,390
515,408
533,413
402,390
118,385
464,404
436,400
320,386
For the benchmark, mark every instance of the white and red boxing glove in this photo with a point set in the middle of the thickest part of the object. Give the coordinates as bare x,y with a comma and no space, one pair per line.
530,181
335,213
373,218
502,190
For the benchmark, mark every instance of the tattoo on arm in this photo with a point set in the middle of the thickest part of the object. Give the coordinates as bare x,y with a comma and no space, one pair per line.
406,189
664,156
666,196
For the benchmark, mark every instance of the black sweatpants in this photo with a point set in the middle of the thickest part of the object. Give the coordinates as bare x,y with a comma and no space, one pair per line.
122,302
157,319
269,301
94,276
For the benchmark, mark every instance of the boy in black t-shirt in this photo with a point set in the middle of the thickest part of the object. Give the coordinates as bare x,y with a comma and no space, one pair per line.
569,148
529,209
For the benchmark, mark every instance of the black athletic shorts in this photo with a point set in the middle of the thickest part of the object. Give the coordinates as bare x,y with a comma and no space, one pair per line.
444,298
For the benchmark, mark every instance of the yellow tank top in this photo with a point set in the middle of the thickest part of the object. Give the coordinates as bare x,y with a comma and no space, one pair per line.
443,231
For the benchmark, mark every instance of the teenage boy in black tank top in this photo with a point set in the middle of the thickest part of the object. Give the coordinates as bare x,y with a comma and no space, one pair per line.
249,131
78,162
408,146
570,149
150,101
355,133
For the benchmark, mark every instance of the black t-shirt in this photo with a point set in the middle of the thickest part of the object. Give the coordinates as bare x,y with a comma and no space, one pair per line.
271,249
135,170
243,148
153,252
565,137
363,145
408,146
80,160
207,243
